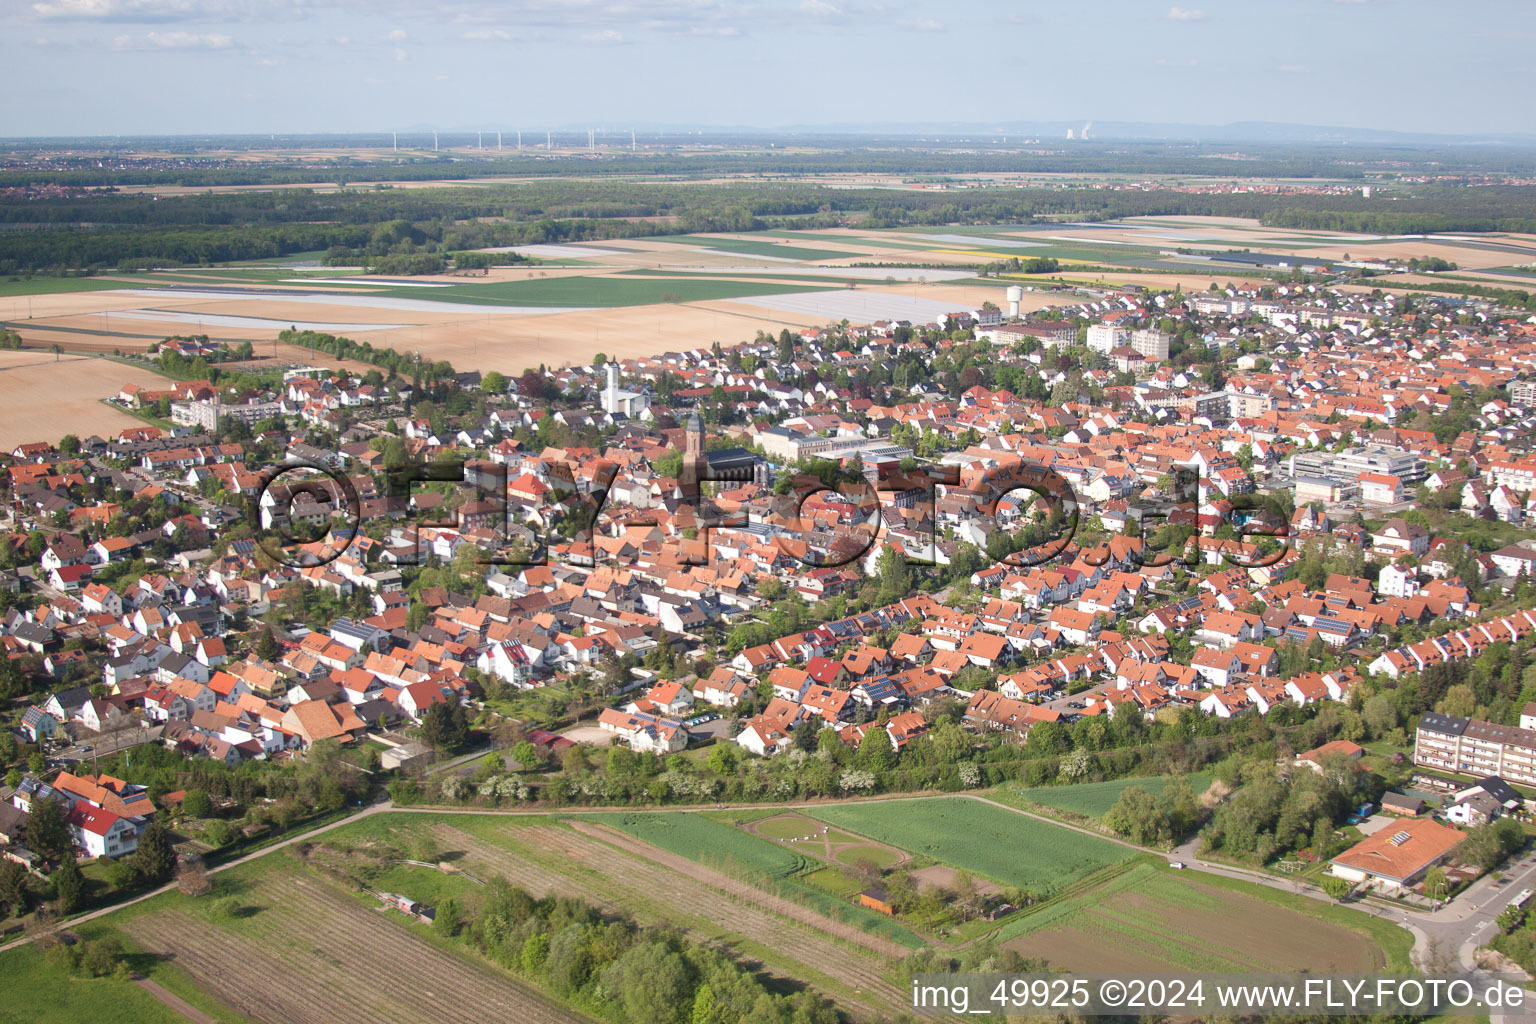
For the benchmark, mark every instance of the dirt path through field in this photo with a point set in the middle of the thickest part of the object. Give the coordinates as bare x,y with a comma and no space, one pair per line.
174,1001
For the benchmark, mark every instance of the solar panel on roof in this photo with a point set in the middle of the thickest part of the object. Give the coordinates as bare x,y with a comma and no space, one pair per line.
1399,839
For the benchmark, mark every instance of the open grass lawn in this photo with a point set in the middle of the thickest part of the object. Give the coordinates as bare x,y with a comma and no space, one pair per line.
594,291
833,880
1094,799
37,991
1150,918
426,885
789,826
868,853
1008,848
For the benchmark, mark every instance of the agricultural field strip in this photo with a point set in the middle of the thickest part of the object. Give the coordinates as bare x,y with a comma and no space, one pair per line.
349,299
346,969
1001,843
632,881
725,884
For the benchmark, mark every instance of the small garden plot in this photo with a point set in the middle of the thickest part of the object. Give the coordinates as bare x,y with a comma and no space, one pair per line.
939,877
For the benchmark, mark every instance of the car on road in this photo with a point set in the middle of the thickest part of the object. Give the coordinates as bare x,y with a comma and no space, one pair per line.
1177,865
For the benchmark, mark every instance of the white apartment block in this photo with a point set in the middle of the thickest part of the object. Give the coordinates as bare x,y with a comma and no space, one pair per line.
1467,746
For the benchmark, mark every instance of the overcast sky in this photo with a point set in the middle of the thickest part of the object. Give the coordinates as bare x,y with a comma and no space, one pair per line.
150,66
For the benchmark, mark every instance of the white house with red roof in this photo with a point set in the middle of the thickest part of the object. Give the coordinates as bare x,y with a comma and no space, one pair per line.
101,833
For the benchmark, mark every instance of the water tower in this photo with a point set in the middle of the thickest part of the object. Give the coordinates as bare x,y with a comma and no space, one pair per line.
1015,296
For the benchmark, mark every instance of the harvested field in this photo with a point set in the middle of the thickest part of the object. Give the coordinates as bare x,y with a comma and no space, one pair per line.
47,398
295,961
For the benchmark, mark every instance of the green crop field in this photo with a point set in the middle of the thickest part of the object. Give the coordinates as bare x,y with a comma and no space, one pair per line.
751,247
830,279
891,242
984,840
1094,799
709,842
56,285
593,291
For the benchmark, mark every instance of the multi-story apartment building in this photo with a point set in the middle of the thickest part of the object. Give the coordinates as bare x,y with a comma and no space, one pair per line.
209,415
1107,337
1468,746
1150,343
1517,476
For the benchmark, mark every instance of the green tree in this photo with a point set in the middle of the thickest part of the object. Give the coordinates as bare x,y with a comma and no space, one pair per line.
1137,816
266,645
196,804
722,758
527,755
46,830
1336,888
154,859
875,750
68,885
445,727
447,919
13,887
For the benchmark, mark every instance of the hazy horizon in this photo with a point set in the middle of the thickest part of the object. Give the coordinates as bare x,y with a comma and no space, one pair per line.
229,67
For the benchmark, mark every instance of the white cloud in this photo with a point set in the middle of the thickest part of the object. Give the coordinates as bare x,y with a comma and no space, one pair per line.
607,35
1184,14
723,30
820,8
1294,69
476,34
920,25
113,10
395,35
400,54
1166,62
174,41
